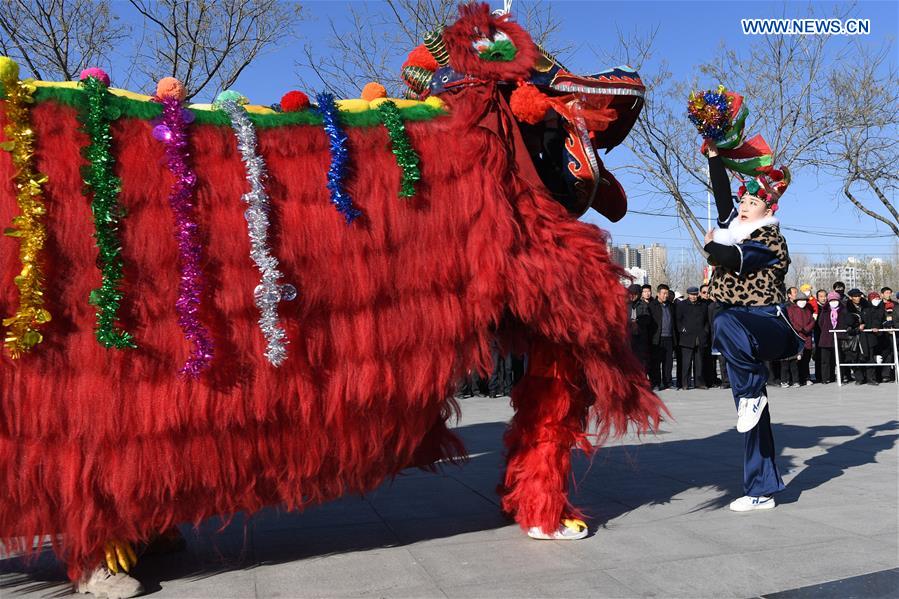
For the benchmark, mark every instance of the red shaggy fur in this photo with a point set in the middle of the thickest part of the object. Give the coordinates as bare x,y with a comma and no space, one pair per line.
98,444
464,59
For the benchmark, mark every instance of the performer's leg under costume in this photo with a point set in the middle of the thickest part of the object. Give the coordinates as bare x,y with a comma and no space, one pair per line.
748,337
550,416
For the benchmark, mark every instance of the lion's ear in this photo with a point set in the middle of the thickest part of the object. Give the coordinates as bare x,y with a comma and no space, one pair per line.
489,47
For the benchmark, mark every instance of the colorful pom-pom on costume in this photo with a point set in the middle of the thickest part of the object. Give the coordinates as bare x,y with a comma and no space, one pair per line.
98,74
230,95
169,87
529,104
373,91
108,447
294,101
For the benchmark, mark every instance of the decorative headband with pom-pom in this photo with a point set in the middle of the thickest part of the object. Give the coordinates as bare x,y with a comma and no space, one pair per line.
768,187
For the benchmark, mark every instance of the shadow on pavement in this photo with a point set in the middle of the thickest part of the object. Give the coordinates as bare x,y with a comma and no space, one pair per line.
616,481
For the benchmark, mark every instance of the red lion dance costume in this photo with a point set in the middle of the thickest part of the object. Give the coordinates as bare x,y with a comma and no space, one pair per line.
102,438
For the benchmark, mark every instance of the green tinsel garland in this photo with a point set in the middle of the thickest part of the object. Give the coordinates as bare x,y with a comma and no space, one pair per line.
406,157
104,187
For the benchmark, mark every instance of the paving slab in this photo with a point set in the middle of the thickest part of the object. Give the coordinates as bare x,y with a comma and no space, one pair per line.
659,520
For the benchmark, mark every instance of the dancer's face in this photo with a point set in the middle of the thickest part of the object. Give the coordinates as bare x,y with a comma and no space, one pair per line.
752,209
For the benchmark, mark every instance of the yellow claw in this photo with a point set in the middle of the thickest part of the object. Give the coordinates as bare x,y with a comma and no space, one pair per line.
119,556
111,562
132,557
122,556
574,524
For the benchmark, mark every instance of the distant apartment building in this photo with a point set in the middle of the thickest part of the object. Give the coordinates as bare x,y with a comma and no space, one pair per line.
854,273
646,263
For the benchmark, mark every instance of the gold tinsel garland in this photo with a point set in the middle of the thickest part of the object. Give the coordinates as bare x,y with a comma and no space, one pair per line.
23,327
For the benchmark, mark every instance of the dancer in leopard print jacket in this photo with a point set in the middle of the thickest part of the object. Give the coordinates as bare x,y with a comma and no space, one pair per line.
750,260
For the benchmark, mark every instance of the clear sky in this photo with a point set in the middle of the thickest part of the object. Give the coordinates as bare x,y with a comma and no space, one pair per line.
688,33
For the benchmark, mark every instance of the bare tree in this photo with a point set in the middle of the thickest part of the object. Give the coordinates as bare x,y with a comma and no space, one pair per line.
663,142
59,38
372,41
207,44
781,78
778,76
860,106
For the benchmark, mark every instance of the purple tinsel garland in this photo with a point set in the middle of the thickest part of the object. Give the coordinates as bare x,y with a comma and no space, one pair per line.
171,131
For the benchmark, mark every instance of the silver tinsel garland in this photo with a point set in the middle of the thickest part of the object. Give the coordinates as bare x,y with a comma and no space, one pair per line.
269,292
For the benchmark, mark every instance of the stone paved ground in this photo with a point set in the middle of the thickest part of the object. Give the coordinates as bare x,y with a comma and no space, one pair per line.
660,527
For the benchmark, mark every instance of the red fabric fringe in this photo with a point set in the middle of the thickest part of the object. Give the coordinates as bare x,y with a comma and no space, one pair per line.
550,418
98,444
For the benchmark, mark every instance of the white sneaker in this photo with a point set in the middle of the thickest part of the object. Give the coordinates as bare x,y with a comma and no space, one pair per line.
784,385
569,530
748,504
749,412
103,584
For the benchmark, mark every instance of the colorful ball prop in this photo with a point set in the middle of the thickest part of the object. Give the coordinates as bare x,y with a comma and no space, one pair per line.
169,87
98,74
232,96
294,101
529,104
373,91
711,111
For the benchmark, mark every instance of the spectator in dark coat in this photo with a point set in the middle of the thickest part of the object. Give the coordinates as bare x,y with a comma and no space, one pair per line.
645,325
856,350
795,370
886,297
692,319
663,339
708,360
873,317
639,341
831,317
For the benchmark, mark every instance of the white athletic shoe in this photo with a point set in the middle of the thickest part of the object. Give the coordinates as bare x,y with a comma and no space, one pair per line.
103,584
749,412
748,504
569,530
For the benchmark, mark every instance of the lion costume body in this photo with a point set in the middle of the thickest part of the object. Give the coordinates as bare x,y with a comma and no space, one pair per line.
392,310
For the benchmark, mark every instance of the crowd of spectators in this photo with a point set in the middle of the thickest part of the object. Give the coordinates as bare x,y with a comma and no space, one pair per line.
673,335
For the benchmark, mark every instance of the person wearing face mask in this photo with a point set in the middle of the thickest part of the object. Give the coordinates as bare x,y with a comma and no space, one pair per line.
840,288
831,317
818,307
873,317
751,260
795,368
855,350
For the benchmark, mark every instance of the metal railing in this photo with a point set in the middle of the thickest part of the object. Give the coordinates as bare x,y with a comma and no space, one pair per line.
894,364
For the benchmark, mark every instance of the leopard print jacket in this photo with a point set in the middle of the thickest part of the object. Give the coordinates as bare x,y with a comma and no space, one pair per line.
763,287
